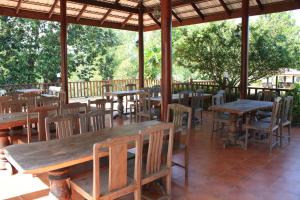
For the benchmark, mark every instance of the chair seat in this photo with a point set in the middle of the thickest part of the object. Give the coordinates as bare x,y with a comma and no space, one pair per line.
85,182
260,125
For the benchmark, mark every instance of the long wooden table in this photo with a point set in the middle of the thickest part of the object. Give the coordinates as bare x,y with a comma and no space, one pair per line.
55,156
7,121
120,95
236,109
175,97
31,90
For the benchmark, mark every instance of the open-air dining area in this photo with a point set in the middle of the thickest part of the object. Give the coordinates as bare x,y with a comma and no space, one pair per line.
149,137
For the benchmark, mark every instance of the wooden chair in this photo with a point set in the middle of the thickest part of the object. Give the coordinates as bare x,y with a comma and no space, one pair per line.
181,116
155,91
100,104
112,182
12,106
92,121
31,99
223,93
63,125
270,128
48,101
197,103
107,88
266,95
130,99
73,108
158,161
184,97
62,97
5,98
144,107
286,118
43,112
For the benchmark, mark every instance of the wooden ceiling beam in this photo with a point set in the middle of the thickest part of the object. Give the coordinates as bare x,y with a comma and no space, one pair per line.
114,6
18,6
197,10
154,19
126,20
81,12
52,8
225,7
259,4
176,16
106,14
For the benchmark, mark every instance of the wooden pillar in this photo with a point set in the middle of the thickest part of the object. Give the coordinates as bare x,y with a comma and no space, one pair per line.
166,50
63,47
141,48
245,47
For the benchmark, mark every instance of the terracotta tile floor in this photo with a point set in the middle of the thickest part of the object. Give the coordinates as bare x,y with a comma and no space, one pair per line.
215,172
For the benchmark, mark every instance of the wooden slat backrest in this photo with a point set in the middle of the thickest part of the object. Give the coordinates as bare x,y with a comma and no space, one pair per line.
266,95
92,121
62,97
48,101
287,108
106,88
184,97
128,87
73,108
156,136
99,103
63,125
43,112
12,106
117,152
217,99
144,104
176,114
197,99
30,98
155,91
275,117
5,98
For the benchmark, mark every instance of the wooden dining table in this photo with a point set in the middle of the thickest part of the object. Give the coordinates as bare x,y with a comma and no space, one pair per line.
8,121
236,110
31,90
175,98
120,95
55,156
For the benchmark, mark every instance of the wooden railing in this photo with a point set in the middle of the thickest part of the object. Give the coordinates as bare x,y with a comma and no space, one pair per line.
93,88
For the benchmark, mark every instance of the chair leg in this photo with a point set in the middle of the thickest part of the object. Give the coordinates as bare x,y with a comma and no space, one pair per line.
138,194
168,184
111,120
186,162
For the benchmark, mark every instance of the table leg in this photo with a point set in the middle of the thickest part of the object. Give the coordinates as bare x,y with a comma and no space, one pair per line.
233,136
59,187
120,106
4,141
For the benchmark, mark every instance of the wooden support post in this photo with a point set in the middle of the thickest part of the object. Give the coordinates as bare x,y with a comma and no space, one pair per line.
63,46
166,50
141,48
245,47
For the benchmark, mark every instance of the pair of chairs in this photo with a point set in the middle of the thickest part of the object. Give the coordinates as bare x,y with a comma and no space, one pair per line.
281,116
124,176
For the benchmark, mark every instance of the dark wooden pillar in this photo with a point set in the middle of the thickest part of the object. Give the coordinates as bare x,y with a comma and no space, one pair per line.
141,48
63,47
166,50
245,47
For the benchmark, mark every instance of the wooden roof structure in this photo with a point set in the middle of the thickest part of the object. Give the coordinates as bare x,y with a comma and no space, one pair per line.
123,14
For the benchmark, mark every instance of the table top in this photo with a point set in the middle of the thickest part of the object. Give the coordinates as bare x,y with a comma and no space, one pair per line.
123,93
33,90
242,106
10,120
40,157
175,97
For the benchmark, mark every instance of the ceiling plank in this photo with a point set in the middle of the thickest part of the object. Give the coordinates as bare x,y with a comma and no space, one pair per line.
114,6
176,16
197,10
18,6
106,14
259,4
81,12
52,8
126,20
154,19
225,7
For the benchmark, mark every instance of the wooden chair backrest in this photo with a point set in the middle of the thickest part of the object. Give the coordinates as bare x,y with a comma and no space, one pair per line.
217,99
222,92
197,99
144,104
43,112
12,106
5,98
48,101
266,95
116,149
100,104
106,88
176,113
184,97
62,97
287,109
155,91
63,124
275,117
156,136
92,121
73,108
30,98
128,87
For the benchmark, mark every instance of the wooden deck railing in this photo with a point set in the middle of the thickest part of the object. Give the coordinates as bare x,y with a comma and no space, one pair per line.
93,88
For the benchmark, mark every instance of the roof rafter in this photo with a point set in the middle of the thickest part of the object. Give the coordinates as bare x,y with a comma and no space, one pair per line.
197,10
225,7
126,20
176,16
52,8
106,14
259,4
154,19
114,6
18,6
81,12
